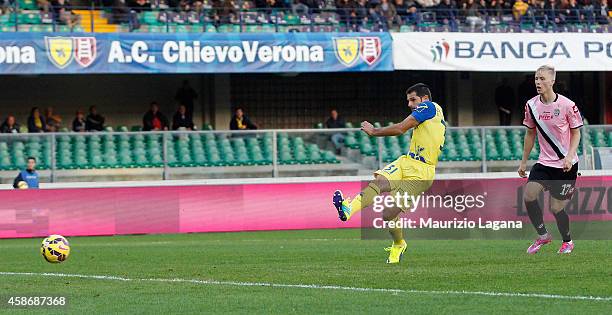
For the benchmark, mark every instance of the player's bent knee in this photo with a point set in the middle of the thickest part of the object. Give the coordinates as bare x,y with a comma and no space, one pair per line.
557,205
532,191
382,183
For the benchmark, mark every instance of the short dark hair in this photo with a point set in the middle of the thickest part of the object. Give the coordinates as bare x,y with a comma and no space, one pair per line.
420,89
31,158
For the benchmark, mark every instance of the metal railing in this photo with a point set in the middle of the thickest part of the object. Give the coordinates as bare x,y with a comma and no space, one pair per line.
241,17
272,149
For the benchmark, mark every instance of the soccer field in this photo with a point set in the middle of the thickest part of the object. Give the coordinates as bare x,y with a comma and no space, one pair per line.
320,271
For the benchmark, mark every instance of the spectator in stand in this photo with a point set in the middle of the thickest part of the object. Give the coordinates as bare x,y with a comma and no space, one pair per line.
122,13
224,11
335,121
36,122
601,12
299,7
154,119
572,12
362,12
241,122
588,11
553,13
198,5
186,95
496,9
428,3
406,11
54,121
247,5
185,5
62,10
9,125
79,124
472,13
447,13
273,4
139,6
538,13
519,9
346,12
43,5
387,14
94,121
483,9
181,120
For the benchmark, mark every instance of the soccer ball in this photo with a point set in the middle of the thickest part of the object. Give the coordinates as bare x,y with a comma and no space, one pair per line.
55,249
22,185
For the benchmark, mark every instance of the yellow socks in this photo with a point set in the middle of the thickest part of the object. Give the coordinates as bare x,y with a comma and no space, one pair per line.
397,234
365,198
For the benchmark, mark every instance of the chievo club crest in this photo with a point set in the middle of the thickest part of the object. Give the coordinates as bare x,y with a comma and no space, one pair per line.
85,50
62,50
370,49
349,49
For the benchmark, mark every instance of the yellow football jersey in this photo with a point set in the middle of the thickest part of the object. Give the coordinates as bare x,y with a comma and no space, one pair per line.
428,137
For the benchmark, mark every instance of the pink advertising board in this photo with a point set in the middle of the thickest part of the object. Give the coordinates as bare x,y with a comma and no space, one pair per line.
247,207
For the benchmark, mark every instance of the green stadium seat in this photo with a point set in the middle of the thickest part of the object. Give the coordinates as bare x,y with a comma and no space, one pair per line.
228,28
291,19
215,160
268,28
209,28
150,17
28,5
330,157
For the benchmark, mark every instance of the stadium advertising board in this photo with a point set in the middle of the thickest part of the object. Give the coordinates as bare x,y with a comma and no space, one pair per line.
502,52
470,208
193,53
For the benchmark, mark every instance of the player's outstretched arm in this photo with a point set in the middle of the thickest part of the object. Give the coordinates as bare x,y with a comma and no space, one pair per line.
527,147
393,130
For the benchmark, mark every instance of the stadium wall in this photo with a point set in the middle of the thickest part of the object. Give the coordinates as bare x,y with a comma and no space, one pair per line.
122,99
289,100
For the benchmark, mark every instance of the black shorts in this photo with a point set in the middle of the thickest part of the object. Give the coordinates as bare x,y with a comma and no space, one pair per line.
560,184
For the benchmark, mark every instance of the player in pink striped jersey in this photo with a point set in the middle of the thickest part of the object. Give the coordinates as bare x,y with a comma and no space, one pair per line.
556,120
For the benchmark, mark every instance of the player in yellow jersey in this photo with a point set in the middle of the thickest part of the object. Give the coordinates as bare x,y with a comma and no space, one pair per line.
410,174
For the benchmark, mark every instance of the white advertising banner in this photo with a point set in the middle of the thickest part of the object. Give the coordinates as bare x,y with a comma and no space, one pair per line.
502,51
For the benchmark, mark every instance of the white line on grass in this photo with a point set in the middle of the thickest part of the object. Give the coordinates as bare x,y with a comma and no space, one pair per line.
189,243
311,286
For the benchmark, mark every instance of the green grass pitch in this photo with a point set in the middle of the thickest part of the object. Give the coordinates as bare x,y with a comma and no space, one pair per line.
330,260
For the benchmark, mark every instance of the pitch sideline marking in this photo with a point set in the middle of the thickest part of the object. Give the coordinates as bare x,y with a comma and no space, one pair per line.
189,243
309,286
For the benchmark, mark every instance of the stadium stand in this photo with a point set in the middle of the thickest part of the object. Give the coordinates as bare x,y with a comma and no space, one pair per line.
322,16
211,149
463,144
129,150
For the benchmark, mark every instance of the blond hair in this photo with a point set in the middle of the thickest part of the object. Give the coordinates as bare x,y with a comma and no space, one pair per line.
548,68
